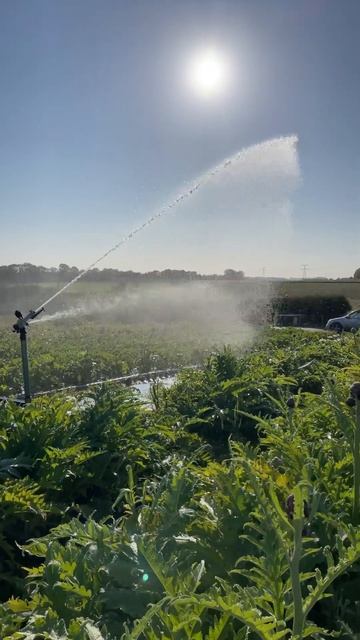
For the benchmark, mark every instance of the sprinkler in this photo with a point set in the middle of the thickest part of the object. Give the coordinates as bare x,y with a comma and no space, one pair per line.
20,327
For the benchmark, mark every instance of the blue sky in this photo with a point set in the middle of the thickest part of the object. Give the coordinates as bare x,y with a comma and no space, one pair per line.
99,129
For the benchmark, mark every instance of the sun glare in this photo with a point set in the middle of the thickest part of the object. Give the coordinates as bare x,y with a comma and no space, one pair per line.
208,72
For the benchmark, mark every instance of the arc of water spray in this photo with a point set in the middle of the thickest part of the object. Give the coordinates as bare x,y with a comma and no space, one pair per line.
123,240
183,196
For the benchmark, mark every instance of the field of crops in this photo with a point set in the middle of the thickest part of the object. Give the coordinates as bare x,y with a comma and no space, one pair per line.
74,353
80,351
229,508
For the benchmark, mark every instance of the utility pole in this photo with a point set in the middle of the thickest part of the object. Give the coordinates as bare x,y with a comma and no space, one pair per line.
304,272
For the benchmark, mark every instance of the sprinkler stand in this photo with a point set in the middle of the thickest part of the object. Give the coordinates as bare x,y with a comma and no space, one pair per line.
20,327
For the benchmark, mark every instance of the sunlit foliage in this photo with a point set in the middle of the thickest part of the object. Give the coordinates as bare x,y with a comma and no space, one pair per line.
226,510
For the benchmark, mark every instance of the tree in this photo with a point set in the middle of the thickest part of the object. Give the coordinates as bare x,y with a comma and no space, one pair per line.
357,274
64,268
230,274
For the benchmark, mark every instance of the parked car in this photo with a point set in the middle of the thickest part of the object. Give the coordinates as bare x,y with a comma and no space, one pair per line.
345,323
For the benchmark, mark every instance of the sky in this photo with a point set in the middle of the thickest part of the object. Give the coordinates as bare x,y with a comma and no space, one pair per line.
101,127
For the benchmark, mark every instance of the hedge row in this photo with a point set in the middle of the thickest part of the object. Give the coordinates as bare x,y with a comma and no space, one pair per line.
316,309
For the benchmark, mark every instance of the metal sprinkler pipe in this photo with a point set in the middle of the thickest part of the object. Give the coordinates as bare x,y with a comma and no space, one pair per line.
20,327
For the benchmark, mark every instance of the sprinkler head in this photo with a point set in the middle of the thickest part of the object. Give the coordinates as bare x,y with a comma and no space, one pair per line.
21,323
33,314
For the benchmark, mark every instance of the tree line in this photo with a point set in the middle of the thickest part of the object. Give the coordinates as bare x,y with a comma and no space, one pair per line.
28,273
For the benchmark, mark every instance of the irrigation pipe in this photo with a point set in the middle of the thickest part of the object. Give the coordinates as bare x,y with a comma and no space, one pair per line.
127,380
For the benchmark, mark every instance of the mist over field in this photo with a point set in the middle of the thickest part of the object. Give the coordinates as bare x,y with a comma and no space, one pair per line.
228,310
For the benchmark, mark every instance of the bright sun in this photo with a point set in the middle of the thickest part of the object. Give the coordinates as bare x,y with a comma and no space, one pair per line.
208,72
